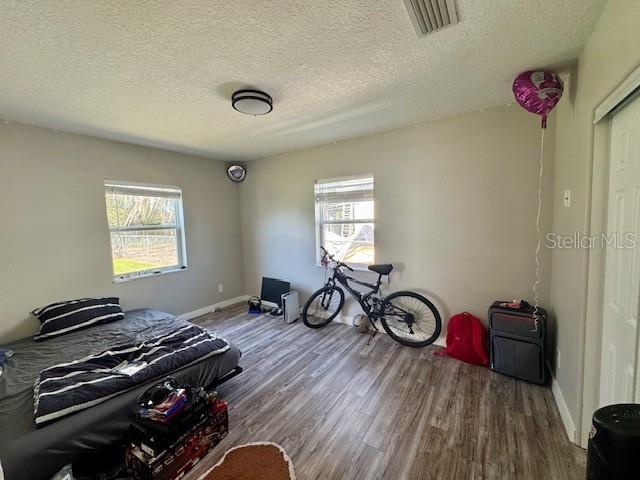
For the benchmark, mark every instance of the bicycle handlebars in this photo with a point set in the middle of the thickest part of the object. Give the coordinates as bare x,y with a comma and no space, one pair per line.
339,264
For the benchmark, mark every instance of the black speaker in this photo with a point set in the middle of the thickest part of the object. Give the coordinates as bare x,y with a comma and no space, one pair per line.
614,443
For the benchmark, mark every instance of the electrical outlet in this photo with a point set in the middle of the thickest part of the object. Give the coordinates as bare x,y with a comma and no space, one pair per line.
220,288
557,359
567,198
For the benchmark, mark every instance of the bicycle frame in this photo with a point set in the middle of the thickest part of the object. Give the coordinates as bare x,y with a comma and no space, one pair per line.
367,300
402,313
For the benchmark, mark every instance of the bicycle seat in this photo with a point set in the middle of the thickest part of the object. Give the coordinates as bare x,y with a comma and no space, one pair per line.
382,268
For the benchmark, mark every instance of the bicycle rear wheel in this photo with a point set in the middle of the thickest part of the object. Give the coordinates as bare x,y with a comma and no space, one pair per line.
322,307
410,319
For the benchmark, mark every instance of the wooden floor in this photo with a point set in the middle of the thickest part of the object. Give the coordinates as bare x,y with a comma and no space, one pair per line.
343,409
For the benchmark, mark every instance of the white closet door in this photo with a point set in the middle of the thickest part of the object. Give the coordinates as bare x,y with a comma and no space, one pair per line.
619,378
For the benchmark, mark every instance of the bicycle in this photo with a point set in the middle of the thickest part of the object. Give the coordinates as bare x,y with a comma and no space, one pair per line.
408,317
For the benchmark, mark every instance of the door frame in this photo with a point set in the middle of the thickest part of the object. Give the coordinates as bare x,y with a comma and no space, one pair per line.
597,218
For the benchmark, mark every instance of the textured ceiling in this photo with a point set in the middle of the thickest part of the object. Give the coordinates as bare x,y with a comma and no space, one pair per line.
161,73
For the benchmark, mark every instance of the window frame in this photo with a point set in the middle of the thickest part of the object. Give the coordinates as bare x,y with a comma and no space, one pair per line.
319,223
179,228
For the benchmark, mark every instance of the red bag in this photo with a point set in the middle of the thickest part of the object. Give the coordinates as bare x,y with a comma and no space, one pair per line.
466,340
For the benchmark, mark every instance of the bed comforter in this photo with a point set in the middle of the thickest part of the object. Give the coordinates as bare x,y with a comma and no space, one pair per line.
79,384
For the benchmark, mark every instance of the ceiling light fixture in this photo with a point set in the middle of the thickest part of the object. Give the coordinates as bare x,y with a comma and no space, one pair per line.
252,102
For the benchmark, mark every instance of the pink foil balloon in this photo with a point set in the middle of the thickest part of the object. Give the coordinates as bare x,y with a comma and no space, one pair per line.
538,92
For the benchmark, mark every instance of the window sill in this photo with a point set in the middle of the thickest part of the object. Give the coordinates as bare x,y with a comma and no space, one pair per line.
356,267
123,279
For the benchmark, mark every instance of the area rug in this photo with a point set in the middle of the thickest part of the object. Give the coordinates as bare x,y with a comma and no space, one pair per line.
253,461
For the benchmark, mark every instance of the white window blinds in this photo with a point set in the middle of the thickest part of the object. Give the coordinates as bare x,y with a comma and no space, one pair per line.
146,229
345,218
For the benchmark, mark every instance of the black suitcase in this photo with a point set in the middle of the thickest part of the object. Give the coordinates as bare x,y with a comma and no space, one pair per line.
517,347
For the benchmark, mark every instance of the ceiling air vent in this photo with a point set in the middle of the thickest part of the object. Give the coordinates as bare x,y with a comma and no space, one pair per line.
431,15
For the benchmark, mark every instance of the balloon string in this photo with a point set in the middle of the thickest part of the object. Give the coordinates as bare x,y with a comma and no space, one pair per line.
537,282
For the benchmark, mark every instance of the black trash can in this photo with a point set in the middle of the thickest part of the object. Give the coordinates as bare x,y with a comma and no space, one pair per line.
614,443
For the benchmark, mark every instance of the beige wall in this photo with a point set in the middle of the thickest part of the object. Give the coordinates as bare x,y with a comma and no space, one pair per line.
54,241
609,56
455,208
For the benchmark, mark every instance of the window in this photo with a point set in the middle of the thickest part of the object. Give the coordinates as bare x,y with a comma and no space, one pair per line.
345,218
146,228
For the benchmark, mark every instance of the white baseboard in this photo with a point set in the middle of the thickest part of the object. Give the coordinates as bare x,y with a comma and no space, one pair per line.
567,421
346,320
441,341
211,308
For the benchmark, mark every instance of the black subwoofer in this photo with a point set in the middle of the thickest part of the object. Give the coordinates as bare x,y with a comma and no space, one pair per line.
614,443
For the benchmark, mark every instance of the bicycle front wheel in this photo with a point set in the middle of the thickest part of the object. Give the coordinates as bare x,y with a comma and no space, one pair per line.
322,307
410,319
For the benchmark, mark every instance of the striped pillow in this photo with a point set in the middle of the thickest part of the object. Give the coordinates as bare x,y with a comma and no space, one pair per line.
66,317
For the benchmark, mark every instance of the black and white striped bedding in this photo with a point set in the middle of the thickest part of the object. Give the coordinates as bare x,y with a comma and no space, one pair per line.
66,317
80,384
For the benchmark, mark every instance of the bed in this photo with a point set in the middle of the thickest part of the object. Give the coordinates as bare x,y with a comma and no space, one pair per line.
28,452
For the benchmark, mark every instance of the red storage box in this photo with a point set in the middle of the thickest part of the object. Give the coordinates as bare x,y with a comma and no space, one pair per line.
144,463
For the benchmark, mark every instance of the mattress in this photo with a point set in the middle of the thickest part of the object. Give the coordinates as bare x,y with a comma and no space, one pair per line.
30,453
